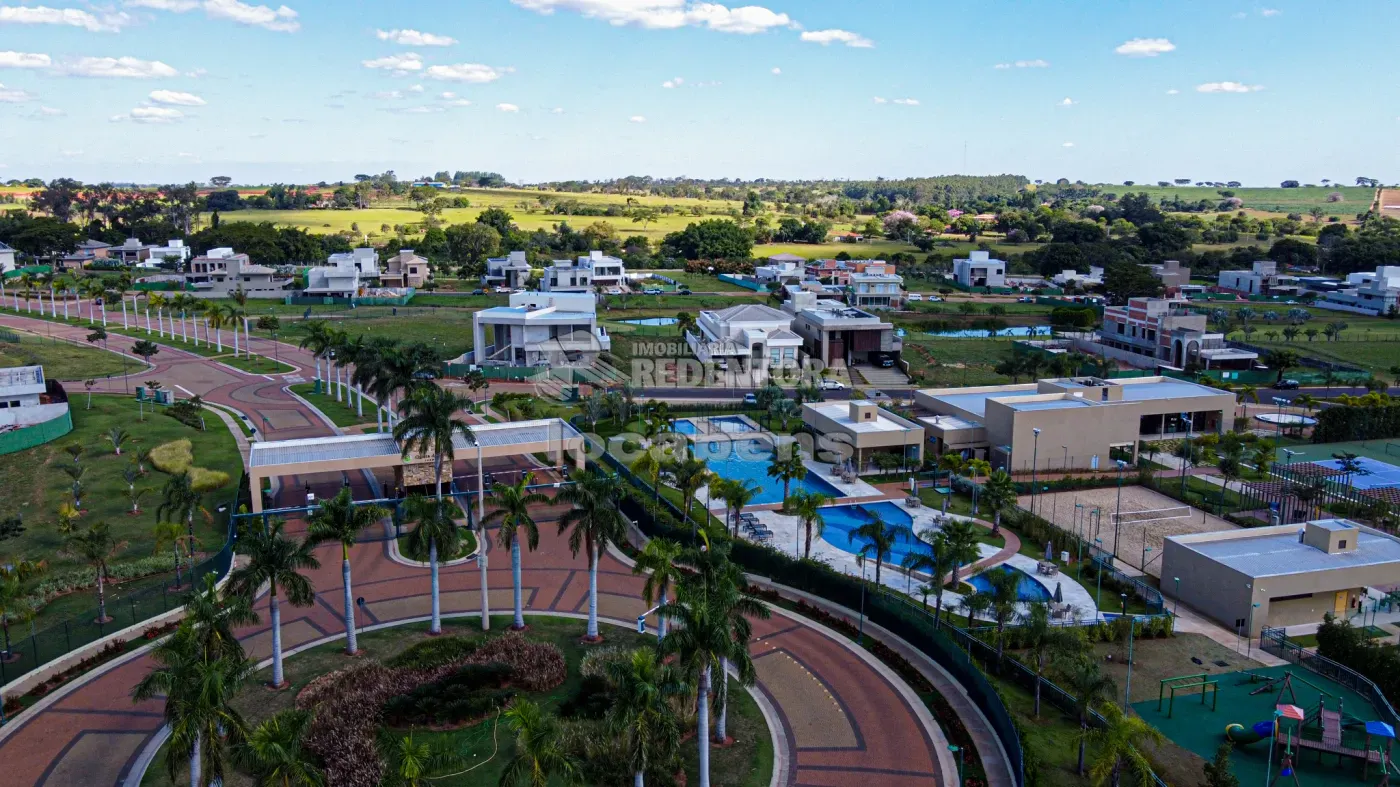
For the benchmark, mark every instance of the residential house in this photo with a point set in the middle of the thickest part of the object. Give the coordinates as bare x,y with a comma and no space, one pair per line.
28,399
221,272
1172,275
1375,294
1263,278
759,336
7,258
172,251
364,260
781,268
873,288
838,334
404,270
839,271
512,270
863,431
130,252
1152,332
1064,278
596,270
88,252
980,270
539,329
341,279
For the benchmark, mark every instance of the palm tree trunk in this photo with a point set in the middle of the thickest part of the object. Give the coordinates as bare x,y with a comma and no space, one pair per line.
637,780
1038,669
593,593
722,723
178,581
359,401
276,641
247,338
436,626
515,579
938,603
101,597
1083,728
702,724
219,339
148,315
350,643
235,340
196,763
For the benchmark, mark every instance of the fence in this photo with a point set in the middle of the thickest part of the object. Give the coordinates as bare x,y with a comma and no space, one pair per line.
748,284
327,300
38,434
1275,641
125,609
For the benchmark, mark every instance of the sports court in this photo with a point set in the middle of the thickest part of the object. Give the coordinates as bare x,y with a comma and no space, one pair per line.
1147,517
1249,697
1386,451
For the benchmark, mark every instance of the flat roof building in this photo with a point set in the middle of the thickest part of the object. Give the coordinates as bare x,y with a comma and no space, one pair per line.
512,271
979,270
836,333
1285,575
757,334
539,329
1081,422
867,429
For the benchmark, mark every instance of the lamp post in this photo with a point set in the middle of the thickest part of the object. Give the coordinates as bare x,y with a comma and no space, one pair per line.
958,751
1145,550
1066,465
1035,451
1079,540
1177,605
1278,427
1132,624
1118,507
1098,572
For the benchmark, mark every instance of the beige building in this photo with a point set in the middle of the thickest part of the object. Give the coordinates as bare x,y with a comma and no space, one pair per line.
404,269
866,429
1080,422
1279,576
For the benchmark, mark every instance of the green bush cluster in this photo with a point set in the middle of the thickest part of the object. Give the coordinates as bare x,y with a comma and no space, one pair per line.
1349,423
75,579
468,693
434,653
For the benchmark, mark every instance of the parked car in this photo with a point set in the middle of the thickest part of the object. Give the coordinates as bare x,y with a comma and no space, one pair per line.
1287,385
831,385
652,291
682,292
886,362
916,296
750,399
1025,299
502,289
934,299
478,291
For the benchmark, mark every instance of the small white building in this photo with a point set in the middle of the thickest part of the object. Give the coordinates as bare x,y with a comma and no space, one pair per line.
596,270
25,400
221,272
343,277
1375,294
759,335
1262,278
512,270
7,258
980,270
782,268
1065,277
174,250
539,329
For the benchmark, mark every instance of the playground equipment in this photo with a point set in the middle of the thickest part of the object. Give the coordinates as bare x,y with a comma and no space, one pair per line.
1284,683
1239,734
1200,680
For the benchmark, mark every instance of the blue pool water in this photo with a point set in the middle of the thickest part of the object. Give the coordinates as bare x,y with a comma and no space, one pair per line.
1018,330
842,521
652,321
748,460
1028,590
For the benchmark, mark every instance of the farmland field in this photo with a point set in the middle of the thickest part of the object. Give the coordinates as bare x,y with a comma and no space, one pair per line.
1271,200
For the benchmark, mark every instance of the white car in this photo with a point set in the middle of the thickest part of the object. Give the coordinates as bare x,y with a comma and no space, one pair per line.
502,289
832,385
916,296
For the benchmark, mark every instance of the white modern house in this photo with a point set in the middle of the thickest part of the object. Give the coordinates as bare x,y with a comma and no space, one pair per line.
1262,278
1093,278
345,274
7,258
25,399
759,335
512,270
1366,293
596,270
173,251
782,268
876,289
980,270
364,260
539,329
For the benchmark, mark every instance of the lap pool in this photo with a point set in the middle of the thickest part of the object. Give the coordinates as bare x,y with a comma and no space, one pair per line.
1027,590
842,522
721,424
748,460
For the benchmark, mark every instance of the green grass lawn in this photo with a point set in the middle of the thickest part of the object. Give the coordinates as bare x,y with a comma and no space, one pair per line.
698,282
749,763
1271,200
35,487
341,413
947,362
1310,640
1375,356
62,360
257,364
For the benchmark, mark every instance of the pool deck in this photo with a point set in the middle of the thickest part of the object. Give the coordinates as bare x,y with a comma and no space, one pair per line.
854,491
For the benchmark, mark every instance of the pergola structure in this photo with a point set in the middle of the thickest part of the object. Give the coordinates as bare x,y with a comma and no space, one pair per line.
369,452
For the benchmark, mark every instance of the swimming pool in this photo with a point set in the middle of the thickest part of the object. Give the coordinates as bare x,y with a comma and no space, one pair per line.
1027,590
652,321
841,523
748,460
1015,330
722,424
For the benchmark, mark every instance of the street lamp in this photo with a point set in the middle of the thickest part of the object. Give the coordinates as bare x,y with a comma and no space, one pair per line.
958,751
1177,606
1145,550
1249,630
1098,572
1035,450
1278,427
1066,466
1118,507
1132,624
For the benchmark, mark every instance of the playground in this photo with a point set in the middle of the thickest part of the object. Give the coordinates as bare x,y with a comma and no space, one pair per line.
1323,748
1147,517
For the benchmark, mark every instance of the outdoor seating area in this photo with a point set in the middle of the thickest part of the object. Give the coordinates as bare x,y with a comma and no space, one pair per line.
754,529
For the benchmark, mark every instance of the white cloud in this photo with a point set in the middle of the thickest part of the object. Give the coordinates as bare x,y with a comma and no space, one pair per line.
670,83
459,102
24,60
1270,12
637,119
1145,47
14,95
557,111
414,38
423,110
150,115
467,72
281,20
447,95
668,14
1068,102
117,67
508,107
387,95
196,73
1067,145
879,100
50,112
176,98
176,6
399,64
416,89
837,36
908,102
109,22
1024,64
1173,92
777,71
1228,87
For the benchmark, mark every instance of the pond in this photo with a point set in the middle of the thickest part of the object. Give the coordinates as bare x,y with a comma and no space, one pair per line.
651,321
981,333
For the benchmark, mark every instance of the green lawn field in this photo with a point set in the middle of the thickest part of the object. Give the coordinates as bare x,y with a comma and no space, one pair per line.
61,360
1271,200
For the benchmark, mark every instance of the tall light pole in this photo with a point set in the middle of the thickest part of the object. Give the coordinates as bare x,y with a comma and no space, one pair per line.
1098,573
1132,624
1118,508
1035,451
1278,428
1066,450
860,636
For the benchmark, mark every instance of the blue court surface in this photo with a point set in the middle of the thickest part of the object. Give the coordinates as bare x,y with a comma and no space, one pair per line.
1373,474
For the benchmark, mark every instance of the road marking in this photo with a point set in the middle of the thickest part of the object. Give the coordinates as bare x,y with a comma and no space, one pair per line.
267,377
186,390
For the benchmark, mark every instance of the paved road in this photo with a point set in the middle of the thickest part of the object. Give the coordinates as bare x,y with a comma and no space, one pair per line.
846,718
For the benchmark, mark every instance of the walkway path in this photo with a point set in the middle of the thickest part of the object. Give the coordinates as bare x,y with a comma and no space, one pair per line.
846,720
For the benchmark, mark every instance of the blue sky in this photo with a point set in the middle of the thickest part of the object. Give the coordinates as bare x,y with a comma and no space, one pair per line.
159,90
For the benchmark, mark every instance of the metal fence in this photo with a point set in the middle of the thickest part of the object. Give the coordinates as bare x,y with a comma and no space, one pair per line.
1275,641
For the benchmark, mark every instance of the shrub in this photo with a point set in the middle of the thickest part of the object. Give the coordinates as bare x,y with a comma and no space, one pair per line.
434,653
467,693
206,480
591,701
174,457
596,662
538,666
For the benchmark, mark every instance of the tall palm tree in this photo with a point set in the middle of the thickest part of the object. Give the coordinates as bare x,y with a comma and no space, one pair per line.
700,639
787,466
1043,641
96,547
240,299
215,319
198,692
274,754
157,301
642,714
974,469
1090,688
16,580
317,341
880,538
1000,494
593,521
1123,742
179,500
411,764
341,521
962,544
435,532
277,560
736,493
806,505
513,502
723,582
171,535
430,424
540,753
690,475
658,560
647,465
233,316
1005,592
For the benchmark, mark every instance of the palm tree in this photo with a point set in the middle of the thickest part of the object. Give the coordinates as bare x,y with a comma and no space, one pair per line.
1122,744
684,322
277,560
699,641
690,475
658,560
274,754
214,318
430,424
1000,494
340,520
1043,640
233,315
317,341
1004,592
787,466
96,547
962,544
647,465
117,436
435,532
880,538
411,764
540,750
594,522
172,535
936,562
974,469
179,500
75,473
16,580
975,604
1090,688
157,301
198,691
513,502
642,714
806,505
736,493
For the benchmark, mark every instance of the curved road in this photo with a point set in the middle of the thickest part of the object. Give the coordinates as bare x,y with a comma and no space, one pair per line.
846,718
